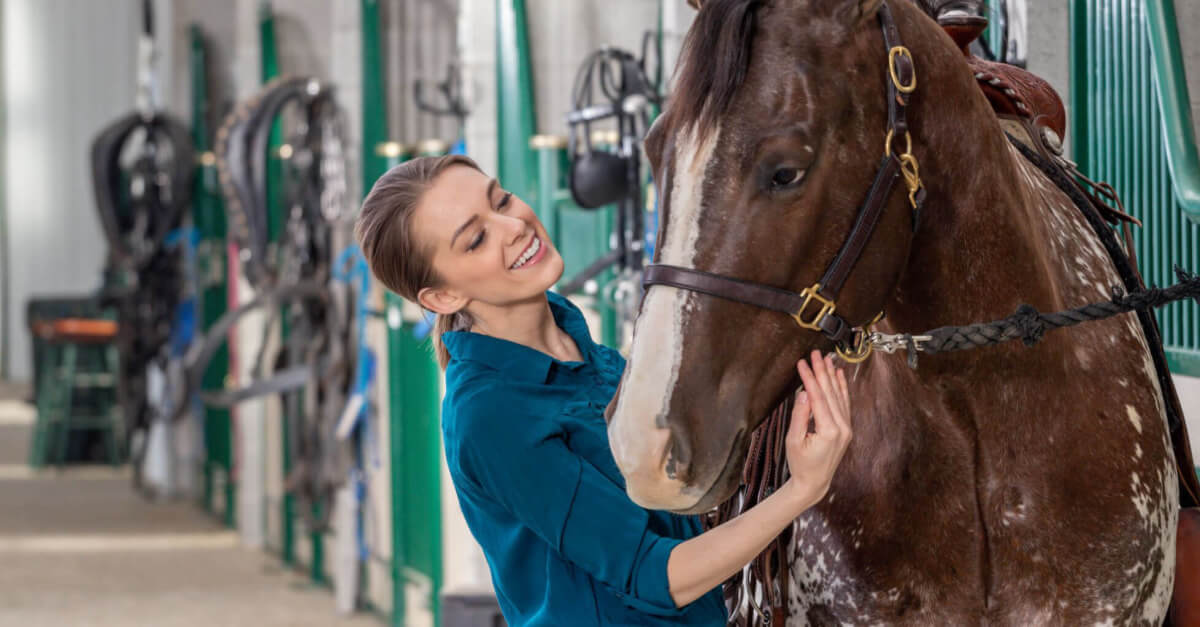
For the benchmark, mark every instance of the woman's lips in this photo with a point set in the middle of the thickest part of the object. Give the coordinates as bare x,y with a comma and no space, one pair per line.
532,254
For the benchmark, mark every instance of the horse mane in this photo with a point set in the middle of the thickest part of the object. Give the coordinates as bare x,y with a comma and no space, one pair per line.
714,60
716,56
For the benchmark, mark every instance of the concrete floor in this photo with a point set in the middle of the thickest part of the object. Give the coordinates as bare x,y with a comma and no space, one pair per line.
78,547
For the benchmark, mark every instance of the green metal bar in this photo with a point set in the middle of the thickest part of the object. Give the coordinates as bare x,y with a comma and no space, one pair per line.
1131,126
377,157
515,104
551,156
275,219
374,113
1176,109
209,217
1183,361
415,439
1079,69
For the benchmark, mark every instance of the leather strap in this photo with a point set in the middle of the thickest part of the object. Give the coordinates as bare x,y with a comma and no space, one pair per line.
897,100
868,218
746,292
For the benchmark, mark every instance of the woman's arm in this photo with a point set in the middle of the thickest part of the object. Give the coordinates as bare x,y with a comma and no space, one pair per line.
702,563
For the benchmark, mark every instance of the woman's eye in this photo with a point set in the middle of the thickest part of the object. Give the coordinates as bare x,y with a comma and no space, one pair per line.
476,242
504,200
785,176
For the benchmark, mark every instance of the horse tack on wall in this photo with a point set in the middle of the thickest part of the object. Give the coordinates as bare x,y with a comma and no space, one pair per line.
950,503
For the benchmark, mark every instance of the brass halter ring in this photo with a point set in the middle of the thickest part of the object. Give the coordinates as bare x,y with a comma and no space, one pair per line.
901,51
863,346
887,143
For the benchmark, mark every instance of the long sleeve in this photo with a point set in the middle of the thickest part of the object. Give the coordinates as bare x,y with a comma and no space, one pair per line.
568,502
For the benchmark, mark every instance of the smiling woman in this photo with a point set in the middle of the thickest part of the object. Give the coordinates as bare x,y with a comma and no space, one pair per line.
526,441
457,227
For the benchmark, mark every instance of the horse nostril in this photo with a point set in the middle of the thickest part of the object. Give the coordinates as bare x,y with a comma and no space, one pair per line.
679,455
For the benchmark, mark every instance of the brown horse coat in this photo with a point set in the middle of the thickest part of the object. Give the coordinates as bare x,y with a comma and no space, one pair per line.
1010,485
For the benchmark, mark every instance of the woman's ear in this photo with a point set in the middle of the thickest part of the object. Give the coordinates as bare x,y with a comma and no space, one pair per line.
442,301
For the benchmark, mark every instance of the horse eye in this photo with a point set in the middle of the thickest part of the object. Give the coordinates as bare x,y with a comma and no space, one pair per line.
785,176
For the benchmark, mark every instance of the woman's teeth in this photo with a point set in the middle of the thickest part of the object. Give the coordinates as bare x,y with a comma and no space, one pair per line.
530,251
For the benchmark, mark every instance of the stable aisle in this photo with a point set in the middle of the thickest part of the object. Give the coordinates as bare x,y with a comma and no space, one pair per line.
80,548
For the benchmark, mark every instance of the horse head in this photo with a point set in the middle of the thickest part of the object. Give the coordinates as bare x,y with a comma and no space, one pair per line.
774,134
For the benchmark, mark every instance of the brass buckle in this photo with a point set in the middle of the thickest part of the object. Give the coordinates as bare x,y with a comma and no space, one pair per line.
827,307
898,51
862,347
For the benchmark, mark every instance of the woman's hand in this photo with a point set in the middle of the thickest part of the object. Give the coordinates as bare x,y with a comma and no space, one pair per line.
813,455
699,564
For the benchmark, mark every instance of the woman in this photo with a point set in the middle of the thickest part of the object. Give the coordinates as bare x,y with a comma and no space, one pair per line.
523,424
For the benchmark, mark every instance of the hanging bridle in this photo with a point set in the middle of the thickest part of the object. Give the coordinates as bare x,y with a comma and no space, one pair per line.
815,307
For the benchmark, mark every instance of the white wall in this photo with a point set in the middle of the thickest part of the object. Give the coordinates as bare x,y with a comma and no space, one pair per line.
68,72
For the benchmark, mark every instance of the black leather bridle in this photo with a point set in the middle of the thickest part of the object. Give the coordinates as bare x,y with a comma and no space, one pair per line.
815,307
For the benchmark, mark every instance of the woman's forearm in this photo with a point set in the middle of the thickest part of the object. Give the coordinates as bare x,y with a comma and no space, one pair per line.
703,562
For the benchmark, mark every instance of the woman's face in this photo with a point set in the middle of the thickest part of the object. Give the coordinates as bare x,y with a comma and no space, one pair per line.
488,245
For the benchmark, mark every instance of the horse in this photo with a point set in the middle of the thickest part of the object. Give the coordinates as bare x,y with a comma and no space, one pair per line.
1014,485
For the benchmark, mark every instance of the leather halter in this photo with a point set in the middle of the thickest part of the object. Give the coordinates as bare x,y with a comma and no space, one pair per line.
815,308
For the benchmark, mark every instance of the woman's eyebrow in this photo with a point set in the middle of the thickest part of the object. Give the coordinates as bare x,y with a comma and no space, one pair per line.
465,226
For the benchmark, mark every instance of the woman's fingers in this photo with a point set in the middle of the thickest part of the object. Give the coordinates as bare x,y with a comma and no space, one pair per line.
826,376
839,395
828,398
820,397
801,411
845,393
813,390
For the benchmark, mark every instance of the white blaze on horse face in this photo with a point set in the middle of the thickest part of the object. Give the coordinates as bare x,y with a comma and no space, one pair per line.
637,432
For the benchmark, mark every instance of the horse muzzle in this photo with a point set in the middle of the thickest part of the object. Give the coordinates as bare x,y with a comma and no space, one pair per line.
660,470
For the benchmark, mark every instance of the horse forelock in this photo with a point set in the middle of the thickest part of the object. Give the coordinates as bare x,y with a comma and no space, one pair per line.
713,61
716,56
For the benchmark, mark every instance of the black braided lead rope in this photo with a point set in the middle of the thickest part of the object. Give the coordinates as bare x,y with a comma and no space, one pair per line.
1029,325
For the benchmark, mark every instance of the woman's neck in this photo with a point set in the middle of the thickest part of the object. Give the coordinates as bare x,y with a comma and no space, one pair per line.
528,323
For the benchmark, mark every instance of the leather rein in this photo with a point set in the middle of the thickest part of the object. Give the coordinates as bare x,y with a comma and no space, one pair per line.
815,308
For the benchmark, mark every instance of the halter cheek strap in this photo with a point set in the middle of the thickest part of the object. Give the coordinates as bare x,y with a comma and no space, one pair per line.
815,308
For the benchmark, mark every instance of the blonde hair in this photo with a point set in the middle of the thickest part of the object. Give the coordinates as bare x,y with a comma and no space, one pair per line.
385,234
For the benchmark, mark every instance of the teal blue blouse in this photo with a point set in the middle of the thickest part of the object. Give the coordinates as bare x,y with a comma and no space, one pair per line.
527,448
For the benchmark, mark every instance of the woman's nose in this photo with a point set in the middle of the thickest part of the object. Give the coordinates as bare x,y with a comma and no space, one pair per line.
514,228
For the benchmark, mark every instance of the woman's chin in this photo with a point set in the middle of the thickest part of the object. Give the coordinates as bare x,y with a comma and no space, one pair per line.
551,271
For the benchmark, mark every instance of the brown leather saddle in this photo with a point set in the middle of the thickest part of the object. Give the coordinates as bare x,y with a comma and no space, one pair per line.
1012,91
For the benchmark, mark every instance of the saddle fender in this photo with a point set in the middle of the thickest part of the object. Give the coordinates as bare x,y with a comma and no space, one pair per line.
1185,603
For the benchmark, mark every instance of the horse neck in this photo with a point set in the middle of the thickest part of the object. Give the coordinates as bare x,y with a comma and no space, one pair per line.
981,240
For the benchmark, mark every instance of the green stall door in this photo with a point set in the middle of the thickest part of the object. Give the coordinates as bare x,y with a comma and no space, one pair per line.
208,214
414,407
1131,126
581,235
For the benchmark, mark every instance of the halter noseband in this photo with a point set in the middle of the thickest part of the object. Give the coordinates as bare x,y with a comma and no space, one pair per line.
815,307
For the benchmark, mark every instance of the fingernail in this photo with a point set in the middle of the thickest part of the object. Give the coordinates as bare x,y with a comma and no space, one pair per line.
803,398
